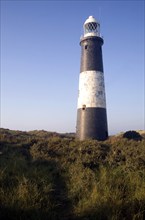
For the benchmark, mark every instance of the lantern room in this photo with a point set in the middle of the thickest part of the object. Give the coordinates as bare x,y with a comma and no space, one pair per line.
91,27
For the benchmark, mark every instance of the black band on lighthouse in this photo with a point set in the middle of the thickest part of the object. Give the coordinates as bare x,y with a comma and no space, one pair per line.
92,124
91,54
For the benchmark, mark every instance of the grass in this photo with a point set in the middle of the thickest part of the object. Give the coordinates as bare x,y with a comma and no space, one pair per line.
50,176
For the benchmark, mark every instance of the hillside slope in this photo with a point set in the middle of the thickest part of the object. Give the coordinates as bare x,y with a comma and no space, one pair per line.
45,175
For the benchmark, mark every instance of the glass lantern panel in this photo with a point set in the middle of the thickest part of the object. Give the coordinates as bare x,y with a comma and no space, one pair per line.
91,27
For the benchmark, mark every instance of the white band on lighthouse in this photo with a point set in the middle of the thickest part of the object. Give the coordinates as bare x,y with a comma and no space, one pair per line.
91,90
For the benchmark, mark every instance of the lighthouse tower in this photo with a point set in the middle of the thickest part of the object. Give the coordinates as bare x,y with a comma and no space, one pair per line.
91,112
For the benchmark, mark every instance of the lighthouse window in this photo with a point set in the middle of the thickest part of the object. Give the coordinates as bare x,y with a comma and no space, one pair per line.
86,46
100,92
83,107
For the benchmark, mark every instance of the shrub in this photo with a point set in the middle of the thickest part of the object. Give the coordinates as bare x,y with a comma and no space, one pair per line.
132,135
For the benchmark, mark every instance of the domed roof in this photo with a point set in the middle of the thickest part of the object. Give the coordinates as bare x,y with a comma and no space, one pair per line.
90,19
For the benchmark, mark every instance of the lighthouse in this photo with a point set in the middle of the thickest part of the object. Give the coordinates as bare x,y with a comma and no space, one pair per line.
91,109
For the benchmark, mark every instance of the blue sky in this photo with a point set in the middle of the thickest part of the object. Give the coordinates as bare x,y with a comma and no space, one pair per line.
40,63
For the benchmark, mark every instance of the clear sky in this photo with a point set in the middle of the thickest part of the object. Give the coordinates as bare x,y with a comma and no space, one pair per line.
40,63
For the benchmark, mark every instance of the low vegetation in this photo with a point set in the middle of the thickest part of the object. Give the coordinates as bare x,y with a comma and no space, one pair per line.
45,175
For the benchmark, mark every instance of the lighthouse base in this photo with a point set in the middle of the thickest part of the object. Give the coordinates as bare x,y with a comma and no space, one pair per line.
92,124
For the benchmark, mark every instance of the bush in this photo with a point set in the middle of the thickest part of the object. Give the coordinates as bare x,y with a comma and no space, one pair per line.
132,135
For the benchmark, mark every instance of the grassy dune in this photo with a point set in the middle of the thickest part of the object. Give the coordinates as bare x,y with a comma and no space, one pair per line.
45,175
